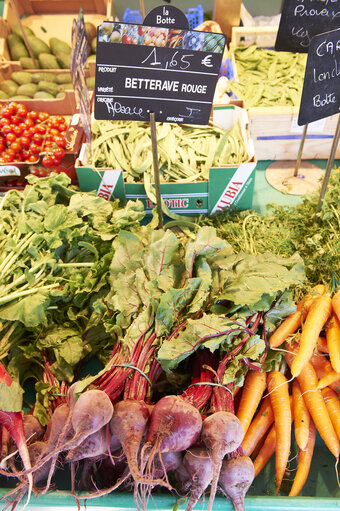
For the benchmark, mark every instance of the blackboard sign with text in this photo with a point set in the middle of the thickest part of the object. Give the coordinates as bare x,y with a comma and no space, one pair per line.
169,71
321,88
303,19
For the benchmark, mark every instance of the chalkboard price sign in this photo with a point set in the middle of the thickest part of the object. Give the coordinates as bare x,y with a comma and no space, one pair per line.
303,19
169,71
321,87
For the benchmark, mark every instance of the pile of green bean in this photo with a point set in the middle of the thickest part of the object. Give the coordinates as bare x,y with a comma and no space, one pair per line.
185,153
268,77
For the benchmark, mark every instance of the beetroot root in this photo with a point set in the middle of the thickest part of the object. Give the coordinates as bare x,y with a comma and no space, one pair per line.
174,426
222,433
235,479
128,424
199,466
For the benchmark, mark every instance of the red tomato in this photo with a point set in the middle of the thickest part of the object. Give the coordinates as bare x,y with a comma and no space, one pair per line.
43,116
47,161
32,158
127,39
18,130
25,141
37,138
10,137
34,148
59,153
15,146
33,115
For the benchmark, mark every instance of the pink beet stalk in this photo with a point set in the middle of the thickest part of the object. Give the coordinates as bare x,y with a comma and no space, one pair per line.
14,424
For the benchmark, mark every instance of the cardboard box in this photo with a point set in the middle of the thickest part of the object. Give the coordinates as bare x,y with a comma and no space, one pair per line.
228,185
48,18
274,130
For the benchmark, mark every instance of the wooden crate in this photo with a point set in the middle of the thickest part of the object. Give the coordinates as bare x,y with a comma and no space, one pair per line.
274,130
51,18
66,105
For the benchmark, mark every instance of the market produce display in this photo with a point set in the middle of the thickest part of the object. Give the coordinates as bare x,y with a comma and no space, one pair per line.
153,305
186,361
267,77
186,153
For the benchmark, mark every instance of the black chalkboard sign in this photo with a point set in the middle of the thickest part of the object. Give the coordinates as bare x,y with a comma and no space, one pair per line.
303,19
169,71
321,87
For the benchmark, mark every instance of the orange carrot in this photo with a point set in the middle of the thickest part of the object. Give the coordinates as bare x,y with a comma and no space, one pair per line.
254,386
322,345
333,407
302,417
336,304
316,406
323,367
258,427
315,321
304,462
279,398
266,451
328,379
333,342
295,320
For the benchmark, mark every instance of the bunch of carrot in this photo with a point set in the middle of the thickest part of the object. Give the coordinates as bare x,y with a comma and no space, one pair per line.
309,398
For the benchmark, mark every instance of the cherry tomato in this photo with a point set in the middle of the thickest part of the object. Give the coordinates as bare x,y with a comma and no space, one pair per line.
33,115
59,153
37,138
29,122
43,116
54,132
7,129
17,130
47,161
10,137
25,142
40,128
61,142
62,127
32,158
34,148
22,111
61,118
15,146
4,121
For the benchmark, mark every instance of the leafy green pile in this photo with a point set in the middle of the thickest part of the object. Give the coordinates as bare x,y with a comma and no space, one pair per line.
285,230
55,251
80,275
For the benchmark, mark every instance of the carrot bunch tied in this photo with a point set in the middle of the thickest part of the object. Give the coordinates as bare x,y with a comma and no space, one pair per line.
302,394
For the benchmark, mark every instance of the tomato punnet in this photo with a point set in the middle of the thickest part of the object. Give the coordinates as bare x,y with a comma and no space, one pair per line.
24,135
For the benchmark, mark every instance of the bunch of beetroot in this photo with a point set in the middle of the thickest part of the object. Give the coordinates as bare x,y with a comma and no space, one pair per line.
176,304
134,442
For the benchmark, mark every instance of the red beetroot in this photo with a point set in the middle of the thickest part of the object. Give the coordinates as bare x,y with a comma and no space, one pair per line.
93,446
175,425
222,433
235,479
128,424
199,466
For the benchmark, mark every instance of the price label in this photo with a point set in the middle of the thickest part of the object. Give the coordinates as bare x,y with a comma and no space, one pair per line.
303,19
142,69
321,87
